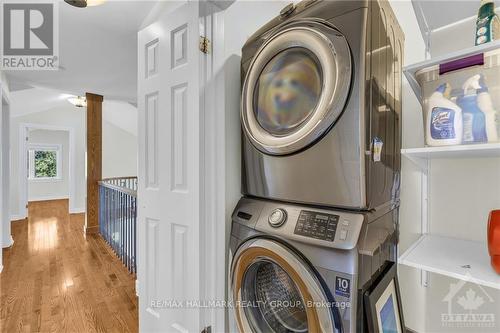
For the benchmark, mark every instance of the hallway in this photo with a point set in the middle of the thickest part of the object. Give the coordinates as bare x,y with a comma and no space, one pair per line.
56,280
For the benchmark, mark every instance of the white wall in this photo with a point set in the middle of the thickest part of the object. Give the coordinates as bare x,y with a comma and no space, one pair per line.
457,36
119,151
413,294
54,188
63,116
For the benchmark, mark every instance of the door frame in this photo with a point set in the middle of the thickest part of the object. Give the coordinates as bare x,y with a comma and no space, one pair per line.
23,160
6,239
213,245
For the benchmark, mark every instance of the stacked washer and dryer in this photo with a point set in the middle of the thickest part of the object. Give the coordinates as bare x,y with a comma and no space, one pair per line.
321,122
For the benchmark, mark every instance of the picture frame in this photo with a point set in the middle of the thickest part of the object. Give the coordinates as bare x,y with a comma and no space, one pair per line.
384,312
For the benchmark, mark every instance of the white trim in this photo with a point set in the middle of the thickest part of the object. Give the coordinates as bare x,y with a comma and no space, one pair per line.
23,177
5,224
17,218
57,148
44,180
213,178
1,268
48,198
77,210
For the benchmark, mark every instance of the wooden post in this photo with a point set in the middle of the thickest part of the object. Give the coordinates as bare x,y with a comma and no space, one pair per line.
94,160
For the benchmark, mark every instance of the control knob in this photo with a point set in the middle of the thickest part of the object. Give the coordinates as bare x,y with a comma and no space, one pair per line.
277,217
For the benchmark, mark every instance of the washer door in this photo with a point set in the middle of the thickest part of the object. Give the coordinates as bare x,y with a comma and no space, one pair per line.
275,290
296,88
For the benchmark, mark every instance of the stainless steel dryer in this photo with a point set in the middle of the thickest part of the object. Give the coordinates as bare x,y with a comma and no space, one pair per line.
321,105
303,269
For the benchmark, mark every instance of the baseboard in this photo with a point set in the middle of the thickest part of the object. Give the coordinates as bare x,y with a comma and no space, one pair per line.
1,268
48,198
17,218
77,210
137,288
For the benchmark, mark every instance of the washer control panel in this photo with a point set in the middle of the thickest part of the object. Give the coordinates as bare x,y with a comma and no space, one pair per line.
317,225
277,217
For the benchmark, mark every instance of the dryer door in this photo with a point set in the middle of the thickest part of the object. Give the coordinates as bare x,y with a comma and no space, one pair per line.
296,88
274,290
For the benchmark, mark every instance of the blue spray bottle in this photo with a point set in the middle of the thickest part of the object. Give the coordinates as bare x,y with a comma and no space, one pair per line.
474,121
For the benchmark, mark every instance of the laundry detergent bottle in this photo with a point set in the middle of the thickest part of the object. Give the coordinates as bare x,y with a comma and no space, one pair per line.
486,106
487,23
474,121
443,119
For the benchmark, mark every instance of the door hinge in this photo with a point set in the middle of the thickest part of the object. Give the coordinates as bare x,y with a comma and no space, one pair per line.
204,44
207,329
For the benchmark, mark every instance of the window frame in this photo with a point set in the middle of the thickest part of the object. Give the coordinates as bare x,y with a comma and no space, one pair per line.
32,148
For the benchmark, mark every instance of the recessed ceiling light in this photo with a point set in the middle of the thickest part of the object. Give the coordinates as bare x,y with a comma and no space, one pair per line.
78,101
85,3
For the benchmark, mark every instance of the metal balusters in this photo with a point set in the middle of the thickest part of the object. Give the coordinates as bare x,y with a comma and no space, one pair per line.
118,217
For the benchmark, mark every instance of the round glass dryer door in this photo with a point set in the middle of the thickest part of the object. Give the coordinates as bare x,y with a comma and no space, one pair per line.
274,290
296,88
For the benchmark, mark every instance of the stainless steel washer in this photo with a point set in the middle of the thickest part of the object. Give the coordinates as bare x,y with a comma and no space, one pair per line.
308,272
321,105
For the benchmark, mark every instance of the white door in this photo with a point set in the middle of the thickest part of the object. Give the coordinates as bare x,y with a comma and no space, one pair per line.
169,172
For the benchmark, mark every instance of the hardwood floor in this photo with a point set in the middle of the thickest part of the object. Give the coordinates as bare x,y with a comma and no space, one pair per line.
56,280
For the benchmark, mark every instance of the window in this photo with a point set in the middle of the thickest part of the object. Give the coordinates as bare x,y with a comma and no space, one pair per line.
44,162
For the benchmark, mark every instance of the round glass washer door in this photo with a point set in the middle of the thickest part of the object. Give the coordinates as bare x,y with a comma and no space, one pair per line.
296,88
274,290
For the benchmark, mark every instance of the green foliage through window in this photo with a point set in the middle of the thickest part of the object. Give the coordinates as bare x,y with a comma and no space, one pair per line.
45,164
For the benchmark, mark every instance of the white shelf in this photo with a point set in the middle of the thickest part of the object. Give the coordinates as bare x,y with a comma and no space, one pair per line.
452,257
420,156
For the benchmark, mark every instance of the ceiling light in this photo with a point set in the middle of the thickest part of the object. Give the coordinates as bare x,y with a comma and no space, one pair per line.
84,3
92,3
78,101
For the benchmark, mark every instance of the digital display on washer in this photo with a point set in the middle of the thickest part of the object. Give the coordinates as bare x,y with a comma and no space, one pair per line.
317,225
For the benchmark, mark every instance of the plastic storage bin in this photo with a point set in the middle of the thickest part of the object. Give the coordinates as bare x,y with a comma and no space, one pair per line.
475,88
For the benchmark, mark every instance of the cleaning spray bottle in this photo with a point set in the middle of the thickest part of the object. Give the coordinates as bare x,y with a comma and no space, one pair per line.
486,106
487,23
444,119
474,124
